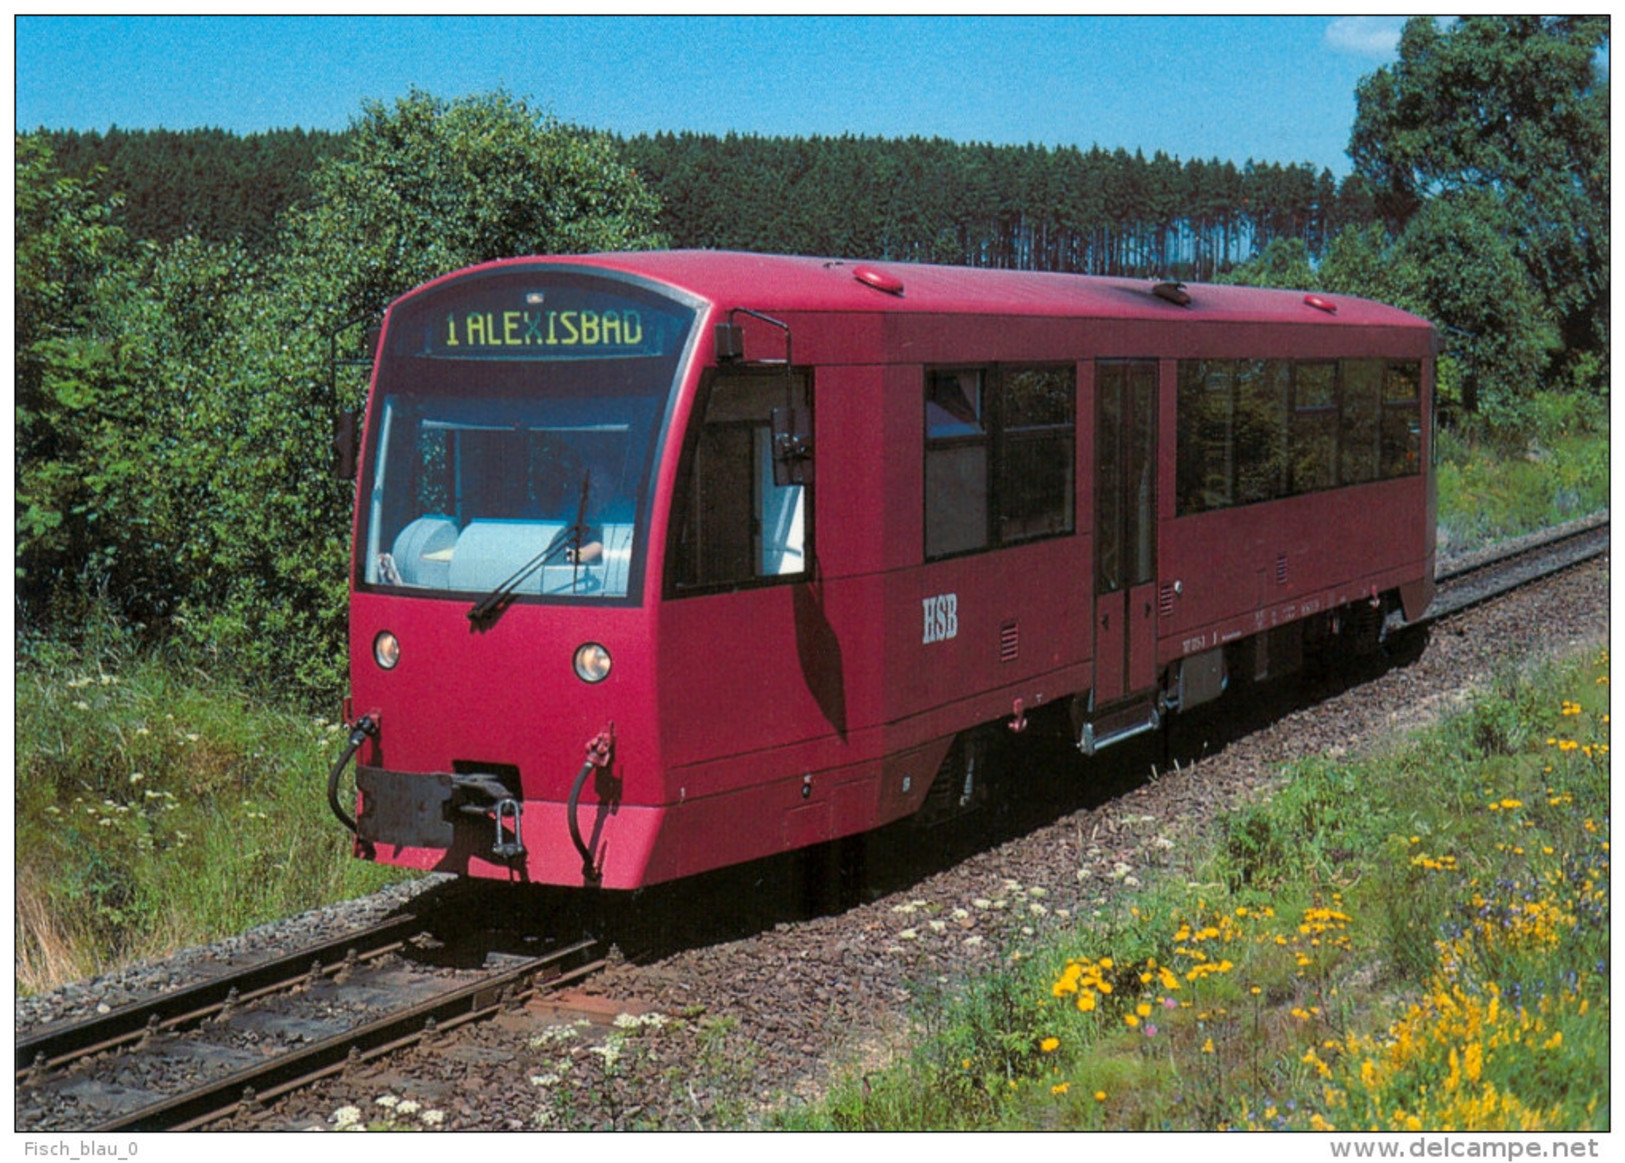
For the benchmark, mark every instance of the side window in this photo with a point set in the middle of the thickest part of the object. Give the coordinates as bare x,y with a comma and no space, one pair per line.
1361,413
1035,455
956,462
1401,420
1204,438
732,525
1314,427
1261,395
1000,457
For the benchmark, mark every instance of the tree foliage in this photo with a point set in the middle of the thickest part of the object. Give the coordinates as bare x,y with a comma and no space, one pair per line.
1499,124
179,399
73,371
203,183
1028,207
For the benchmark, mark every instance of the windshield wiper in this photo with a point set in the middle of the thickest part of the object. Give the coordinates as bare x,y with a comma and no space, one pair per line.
570,537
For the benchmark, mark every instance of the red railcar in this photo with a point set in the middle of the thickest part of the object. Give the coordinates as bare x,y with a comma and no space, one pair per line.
668,561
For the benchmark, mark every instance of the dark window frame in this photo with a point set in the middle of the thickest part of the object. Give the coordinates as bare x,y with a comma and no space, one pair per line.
686,576
1318,424
1001,440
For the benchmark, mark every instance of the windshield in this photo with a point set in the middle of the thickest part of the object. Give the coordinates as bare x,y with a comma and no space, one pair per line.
517,411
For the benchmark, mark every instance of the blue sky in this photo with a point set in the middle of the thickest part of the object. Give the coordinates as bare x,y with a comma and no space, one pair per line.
1267,88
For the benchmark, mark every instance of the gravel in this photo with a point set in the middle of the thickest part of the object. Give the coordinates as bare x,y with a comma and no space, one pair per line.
749,1003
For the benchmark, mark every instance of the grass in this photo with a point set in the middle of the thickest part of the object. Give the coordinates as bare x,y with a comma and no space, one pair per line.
1350,955
158,807
1494,488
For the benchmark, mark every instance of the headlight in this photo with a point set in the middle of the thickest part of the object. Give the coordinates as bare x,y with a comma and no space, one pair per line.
592,663
386,650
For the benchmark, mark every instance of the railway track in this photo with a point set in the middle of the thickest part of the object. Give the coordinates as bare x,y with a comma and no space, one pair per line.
187,1058
192,1056
1494,573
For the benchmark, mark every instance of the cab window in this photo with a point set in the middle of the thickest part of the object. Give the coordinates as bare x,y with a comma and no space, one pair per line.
735,522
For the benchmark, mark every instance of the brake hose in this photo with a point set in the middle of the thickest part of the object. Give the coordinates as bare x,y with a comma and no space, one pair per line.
588,872
365,727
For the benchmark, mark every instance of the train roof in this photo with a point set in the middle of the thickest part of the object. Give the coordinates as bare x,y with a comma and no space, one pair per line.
769,282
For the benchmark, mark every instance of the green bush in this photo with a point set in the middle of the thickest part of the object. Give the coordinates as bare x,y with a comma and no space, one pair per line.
159,806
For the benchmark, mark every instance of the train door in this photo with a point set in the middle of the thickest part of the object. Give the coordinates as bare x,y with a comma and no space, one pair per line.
1125,528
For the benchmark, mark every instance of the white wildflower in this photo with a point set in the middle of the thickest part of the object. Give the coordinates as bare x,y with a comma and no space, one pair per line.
387,1101
938,926
346,1116
554,1034
137,776
407,1107
651,1021
982,902
432,1117
908,935
973,941
81,705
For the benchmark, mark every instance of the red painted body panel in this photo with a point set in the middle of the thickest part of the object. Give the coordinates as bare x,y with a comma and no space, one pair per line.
753,722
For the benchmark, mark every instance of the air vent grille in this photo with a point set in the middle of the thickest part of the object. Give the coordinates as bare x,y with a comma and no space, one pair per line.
1009,642
1165,601
1280,569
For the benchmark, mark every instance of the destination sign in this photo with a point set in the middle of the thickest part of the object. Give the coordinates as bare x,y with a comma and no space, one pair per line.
537,315
532,328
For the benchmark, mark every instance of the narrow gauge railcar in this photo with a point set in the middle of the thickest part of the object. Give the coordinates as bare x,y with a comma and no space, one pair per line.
668,561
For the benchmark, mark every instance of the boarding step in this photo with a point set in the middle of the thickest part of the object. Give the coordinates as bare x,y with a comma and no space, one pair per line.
1114,724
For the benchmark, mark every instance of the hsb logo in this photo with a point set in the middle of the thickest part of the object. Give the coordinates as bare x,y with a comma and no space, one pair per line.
941,618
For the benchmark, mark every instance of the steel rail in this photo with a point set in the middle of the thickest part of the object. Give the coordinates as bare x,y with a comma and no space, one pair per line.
1518,567
61,1045
298,1068
1533,543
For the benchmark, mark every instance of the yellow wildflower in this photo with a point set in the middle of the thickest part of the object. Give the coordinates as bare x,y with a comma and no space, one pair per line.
1049,1044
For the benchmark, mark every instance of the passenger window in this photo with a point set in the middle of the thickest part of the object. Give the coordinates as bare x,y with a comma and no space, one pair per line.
732,525
1260,426
1036,453
1205,418
956,456
1314,427
1401,420
1357,430
1000,456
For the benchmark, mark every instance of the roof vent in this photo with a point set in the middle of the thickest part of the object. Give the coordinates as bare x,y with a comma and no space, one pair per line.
1320,303
879,280
1173,292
